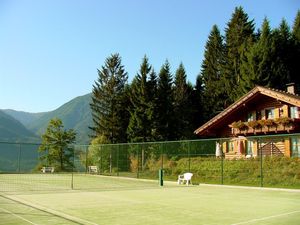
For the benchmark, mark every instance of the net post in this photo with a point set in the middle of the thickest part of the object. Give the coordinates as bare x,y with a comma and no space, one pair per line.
160,177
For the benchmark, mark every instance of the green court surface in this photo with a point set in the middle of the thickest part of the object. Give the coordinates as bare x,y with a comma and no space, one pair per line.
171,204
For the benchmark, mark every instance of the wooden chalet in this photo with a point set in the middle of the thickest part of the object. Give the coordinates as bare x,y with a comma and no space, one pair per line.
261,112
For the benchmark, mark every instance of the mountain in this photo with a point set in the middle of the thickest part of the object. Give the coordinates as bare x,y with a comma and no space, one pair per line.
75,114
11,130
24,117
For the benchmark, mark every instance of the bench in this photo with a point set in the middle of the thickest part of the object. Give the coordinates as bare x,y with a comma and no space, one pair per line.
93,169
186,177
47,169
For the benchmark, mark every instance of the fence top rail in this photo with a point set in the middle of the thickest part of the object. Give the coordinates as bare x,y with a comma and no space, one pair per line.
258,137
19,143
221,139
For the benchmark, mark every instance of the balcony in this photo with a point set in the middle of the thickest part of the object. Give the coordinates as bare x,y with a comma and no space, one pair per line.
280,125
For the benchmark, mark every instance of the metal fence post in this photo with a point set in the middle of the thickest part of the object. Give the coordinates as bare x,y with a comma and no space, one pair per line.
86,160
72,179
100,149
138,162
222,168
161,171
118,152
261,164
110,161
19,158
162,156
189,154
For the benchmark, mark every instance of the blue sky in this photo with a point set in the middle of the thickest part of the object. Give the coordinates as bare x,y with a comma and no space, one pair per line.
50,49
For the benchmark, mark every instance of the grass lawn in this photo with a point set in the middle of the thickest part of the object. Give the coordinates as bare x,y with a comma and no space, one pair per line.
204,204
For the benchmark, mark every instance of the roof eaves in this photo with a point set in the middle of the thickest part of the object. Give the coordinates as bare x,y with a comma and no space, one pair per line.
293,99
228,109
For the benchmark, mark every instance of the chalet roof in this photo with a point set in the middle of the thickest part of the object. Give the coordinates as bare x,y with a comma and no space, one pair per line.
279,95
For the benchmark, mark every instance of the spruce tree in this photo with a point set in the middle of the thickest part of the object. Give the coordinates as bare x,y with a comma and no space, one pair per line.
153,101
256,67
164,107
108,99
198,103
296,28
239,35
296,51
142,100
214,94
182,109
281,45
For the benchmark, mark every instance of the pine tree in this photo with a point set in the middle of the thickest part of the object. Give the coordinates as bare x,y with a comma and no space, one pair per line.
164,110
108,99
142,100
239,34
182,102
214,95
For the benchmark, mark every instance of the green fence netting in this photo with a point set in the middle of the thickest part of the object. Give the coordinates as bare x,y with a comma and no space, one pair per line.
133,165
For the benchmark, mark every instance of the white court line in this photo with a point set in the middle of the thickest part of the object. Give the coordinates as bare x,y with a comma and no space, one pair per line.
266,218
51,211
251,188
20,217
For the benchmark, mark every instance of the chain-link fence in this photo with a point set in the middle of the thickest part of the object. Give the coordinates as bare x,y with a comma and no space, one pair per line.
269,161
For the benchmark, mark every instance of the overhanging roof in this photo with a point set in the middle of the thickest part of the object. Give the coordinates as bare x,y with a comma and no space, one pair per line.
282,96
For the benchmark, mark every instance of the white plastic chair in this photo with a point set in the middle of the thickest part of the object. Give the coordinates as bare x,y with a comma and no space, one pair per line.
186,177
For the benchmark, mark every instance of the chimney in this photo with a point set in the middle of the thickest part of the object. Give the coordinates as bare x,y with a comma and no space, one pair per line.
290,88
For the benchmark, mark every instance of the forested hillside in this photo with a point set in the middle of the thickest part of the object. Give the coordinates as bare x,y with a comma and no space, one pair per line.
12,130
25,118
75,114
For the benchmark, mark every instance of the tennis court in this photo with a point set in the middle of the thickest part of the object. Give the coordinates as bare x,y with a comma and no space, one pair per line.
111,200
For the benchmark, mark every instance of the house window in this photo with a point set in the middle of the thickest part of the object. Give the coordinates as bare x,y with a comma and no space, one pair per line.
258,115
295,147
250,117
230,146
270,113
249,147
294,112
281,112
